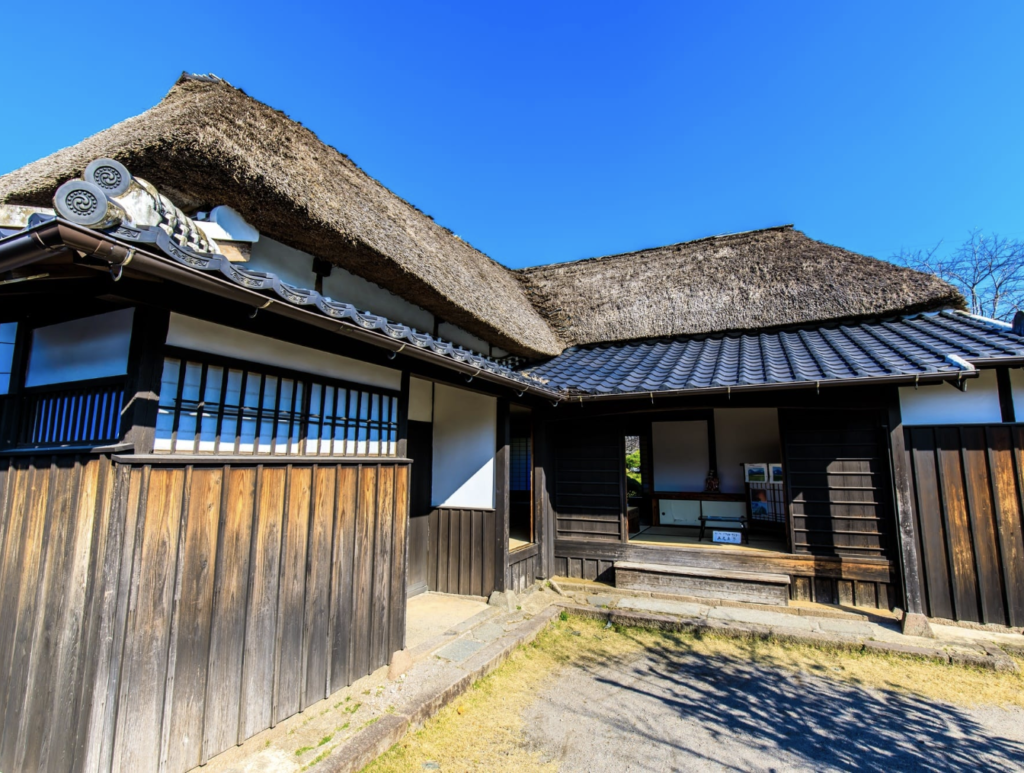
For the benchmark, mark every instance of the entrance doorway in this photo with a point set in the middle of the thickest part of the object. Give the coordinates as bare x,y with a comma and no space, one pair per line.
520,516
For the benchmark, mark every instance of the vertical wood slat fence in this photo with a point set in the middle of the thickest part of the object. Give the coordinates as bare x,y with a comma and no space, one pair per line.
154,616
968,483
462,551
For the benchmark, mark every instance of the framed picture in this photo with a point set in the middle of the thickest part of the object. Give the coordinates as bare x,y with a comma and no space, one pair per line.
755,473
775,472
760,507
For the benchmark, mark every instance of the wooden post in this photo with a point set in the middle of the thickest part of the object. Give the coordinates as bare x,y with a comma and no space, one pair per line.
1005,395
403,417
915,623
145,370
501,498
542,528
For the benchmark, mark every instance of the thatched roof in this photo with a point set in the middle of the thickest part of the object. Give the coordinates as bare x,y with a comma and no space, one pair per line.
208,143
761,279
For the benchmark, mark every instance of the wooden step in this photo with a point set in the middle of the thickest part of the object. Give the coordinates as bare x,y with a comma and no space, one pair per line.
753,587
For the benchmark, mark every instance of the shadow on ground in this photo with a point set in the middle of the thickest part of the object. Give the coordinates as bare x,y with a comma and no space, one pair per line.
671,710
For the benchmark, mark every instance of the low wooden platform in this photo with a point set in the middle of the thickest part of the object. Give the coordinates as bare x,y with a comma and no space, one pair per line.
753,587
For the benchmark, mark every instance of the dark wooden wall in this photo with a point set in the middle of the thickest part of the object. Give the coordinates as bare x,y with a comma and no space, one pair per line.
864,582
837,478
589,466
967,489
524,567
61,547
178,609
462,551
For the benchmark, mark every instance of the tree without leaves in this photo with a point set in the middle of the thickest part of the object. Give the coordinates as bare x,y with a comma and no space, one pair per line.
987,270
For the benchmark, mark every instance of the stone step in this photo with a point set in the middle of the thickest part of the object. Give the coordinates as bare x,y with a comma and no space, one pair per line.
754,587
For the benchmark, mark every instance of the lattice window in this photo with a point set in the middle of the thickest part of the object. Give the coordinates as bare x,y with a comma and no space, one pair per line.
519,463
80,414
226,407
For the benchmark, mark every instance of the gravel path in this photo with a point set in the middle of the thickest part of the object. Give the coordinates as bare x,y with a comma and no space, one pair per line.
666,711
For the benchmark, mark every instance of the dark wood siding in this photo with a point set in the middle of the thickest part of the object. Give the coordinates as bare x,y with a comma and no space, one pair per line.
837,476
967,489
588,470
865,582
523,568
462,551
162,613
60,546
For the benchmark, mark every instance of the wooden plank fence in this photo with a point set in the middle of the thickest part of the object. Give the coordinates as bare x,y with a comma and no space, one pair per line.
154,615
968,482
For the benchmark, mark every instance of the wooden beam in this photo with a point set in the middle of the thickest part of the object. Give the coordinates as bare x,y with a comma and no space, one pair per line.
501,497
145,371
1005,395
403,417
914,621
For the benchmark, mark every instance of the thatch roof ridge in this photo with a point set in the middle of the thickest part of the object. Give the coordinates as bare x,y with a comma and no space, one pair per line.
209,143
765,279
645,250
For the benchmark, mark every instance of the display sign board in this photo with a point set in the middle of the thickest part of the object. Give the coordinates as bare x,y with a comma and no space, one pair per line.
732,537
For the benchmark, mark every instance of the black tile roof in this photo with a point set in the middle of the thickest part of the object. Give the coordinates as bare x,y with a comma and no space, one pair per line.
947,341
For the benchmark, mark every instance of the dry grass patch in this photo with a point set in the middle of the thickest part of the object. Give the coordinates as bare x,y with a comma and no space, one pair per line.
483,730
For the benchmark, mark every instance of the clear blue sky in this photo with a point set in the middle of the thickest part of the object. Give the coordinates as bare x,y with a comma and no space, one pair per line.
543,132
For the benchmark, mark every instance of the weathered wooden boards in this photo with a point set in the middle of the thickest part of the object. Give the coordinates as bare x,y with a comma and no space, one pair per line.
753,587
153,616
462,551
524,568
863,582
589,467
967,486
54,537
837,476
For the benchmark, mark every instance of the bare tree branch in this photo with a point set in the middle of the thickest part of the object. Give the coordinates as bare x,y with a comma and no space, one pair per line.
987,270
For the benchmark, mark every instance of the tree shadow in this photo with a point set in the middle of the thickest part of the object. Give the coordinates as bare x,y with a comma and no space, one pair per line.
770,718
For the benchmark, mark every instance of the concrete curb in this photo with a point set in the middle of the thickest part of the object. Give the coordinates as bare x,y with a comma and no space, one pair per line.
369,743
995,660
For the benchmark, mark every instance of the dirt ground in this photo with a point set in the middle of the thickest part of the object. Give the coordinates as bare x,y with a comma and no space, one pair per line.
588,698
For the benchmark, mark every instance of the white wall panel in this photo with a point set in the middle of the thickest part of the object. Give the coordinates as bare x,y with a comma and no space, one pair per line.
465,435
296,267
421,400
201,336
945,404
8,330
93,347
744,435
680,455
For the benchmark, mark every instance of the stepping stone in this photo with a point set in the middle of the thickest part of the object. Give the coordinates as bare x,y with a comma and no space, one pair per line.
460,650
488,632
679,608
600,601
758,617
854,627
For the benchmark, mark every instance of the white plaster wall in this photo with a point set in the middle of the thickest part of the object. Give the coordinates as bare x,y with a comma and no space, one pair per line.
421,400
93,347
680,455
7,333
296,267
744,435
945,404
202,336
449,332
465,434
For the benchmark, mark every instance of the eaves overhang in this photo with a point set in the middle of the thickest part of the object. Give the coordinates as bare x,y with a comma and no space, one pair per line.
263,291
